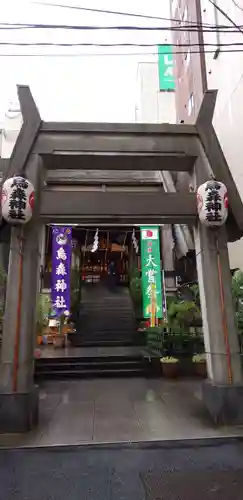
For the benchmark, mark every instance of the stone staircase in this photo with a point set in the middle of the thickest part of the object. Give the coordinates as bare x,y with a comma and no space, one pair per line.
92,366
106,318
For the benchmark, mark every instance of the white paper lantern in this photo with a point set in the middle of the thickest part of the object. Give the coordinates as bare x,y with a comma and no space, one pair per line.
17,200
212,203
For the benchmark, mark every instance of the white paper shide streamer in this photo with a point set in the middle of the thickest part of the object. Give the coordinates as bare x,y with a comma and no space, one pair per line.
135,241
96,241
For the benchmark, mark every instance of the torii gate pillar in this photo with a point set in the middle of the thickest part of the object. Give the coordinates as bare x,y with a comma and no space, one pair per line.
223,390
18,395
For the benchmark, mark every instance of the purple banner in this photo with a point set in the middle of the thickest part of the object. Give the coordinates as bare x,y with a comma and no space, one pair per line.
61,266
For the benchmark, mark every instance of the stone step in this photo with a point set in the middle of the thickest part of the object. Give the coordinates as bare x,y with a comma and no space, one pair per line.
96,366
106,315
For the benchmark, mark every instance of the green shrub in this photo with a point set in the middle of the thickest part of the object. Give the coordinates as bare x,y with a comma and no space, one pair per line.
196,296
136,286
237,292
43,310
182,314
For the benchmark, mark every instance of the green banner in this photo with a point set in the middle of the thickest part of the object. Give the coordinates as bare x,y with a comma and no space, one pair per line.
151,272
166,68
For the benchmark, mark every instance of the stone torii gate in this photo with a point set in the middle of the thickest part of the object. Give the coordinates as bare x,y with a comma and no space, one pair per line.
41,148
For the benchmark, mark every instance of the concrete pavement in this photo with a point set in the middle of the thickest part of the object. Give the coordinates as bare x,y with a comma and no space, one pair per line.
120,410
213,472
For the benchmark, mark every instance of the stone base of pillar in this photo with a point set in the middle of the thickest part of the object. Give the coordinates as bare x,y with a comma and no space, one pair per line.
224,402
19,412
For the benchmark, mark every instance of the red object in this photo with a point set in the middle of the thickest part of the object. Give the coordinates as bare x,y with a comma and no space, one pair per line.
199,202
4,196
224,319
226,201
149,233
32,200
18,325
147,324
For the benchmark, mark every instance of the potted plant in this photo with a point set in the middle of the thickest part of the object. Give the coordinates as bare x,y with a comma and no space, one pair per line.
199,361
170,366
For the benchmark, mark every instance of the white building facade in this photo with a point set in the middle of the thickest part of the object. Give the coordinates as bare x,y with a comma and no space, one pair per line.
156,88
225,73
153,104
156,104
224,69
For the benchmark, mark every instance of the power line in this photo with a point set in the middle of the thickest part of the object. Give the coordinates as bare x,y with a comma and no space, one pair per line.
237,5
124,44
103,11
112,12
226,16
118,54
190,28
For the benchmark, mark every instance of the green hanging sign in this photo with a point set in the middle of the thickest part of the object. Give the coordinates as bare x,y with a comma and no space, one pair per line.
151,272
166,68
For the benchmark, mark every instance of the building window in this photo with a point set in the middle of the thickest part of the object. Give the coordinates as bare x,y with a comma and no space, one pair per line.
190,105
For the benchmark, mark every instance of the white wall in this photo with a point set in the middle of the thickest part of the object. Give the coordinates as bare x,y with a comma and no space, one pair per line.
10,130
225,73
153,106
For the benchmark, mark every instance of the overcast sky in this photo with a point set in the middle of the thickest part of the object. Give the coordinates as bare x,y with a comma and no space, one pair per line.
75,87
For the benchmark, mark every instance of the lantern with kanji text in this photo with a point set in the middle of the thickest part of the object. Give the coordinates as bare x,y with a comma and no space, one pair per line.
17,200
212,203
